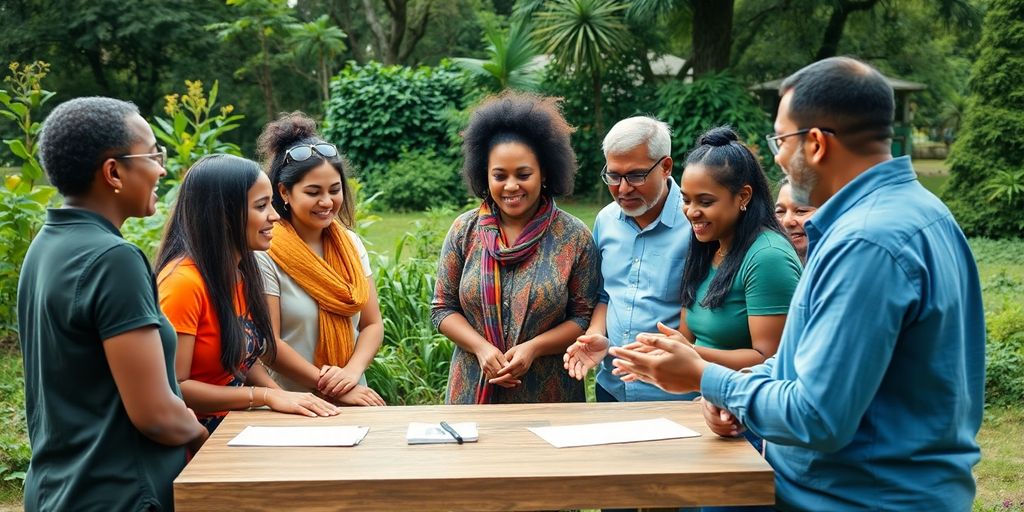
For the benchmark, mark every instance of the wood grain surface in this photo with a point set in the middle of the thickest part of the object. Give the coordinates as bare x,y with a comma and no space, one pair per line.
509,468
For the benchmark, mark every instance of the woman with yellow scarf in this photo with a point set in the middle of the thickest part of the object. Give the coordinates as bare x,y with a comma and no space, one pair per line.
317,277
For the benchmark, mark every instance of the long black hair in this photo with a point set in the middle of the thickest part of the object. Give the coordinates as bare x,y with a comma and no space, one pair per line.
732,165
208,225
281,135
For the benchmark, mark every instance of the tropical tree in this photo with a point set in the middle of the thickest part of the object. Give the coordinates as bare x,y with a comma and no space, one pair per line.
322,41
986,190
266,21
583,36
511,62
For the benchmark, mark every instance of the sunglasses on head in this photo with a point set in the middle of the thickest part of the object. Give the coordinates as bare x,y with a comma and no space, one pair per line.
303,152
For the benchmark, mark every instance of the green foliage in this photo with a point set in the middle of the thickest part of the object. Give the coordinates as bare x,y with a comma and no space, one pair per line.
412,365
25,98
192,132
419,180
22,202
376,112
713,100
510,63
583,34
986,161
15,451
624,94
1004,352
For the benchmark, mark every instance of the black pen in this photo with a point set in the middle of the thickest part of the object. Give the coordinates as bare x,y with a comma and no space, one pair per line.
448,428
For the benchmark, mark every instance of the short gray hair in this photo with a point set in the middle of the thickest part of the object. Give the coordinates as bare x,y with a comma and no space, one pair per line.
631,132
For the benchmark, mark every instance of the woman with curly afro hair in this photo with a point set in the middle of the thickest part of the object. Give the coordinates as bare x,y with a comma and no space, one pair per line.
518,278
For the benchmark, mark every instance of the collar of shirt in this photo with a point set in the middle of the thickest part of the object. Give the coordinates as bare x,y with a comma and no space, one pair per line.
897,170
670,211
66,216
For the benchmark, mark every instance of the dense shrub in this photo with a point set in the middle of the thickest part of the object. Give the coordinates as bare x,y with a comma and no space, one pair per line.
419,180
714,100
986,191
1004,351
376,112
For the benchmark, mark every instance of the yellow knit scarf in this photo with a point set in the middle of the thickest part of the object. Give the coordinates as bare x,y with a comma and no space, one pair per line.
336,282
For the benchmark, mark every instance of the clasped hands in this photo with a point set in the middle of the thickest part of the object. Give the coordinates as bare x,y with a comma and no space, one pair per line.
341,384
505,369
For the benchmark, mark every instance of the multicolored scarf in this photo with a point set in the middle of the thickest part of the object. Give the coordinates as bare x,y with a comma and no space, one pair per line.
496,253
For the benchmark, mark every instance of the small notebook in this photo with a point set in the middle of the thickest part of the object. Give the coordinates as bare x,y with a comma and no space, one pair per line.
432,433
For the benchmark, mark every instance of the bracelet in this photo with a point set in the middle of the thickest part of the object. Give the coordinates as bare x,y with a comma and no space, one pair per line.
251,388
265,391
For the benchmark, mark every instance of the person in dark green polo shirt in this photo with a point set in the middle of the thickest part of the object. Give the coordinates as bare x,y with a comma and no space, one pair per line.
106,422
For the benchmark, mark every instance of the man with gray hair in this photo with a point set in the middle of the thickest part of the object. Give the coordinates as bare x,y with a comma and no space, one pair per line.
642,238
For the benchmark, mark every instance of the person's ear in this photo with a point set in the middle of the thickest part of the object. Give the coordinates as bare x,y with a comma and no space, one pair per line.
666,166
818,144
110,174
283,191
745,194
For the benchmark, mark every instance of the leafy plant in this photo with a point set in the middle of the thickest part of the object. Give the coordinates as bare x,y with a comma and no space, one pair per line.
511,59
1004,353
191,132
412,365
1005,186
376,112
22,202
25,97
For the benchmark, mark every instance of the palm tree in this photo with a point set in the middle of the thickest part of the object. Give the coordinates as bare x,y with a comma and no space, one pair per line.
511,59
583,35
322,41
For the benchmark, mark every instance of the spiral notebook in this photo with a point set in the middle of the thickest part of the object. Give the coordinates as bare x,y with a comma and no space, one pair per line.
432,433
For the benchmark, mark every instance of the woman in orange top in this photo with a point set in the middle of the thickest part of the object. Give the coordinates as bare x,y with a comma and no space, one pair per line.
211,291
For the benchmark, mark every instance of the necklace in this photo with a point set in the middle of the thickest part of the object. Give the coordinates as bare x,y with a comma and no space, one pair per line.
720,253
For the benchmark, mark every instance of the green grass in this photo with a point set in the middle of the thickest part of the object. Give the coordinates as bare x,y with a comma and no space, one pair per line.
13,430
1002,460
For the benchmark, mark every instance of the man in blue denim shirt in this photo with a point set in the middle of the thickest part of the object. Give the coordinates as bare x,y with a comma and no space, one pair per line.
642,238
875,397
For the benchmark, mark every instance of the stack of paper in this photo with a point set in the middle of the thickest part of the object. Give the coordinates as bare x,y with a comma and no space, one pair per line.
300,436
432,433
615,432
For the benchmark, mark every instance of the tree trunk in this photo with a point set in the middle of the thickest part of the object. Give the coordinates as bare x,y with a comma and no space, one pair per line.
266,80
836,24
712,41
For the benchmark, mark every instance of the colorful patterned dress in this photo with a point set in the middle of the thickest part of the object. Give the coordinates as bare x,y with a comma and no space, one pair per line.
559,282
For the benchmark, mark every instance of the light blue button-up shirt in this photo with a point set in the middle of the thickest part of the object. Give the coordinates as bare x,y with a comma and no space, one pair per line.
643,274
876,394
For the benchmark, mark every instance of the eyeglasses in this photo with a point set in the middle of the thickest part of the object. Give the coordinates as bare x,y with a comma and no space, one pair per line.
775,141
303,152
633,178
159,157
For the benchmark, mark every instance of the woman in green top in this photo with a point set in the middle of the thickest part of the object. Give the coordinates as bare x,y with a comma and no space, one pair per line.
106,421
741,270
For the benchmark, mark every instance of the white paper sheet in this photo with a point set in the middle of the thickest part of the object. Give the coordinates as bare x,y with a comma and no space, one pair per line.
300,436
567,436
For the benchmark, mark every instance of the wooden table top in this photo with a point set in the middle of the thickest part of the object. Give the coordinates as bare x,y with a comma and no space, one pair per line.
509,468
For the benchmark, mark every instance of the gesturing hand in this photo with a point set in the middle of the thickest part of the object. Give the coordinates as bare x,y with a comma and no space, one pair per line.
335,381
586,353
656,359
491,360
306,404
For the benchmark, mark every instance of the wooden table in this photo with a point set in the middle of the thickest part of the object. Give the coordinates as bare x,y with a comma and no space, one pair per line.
510,468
